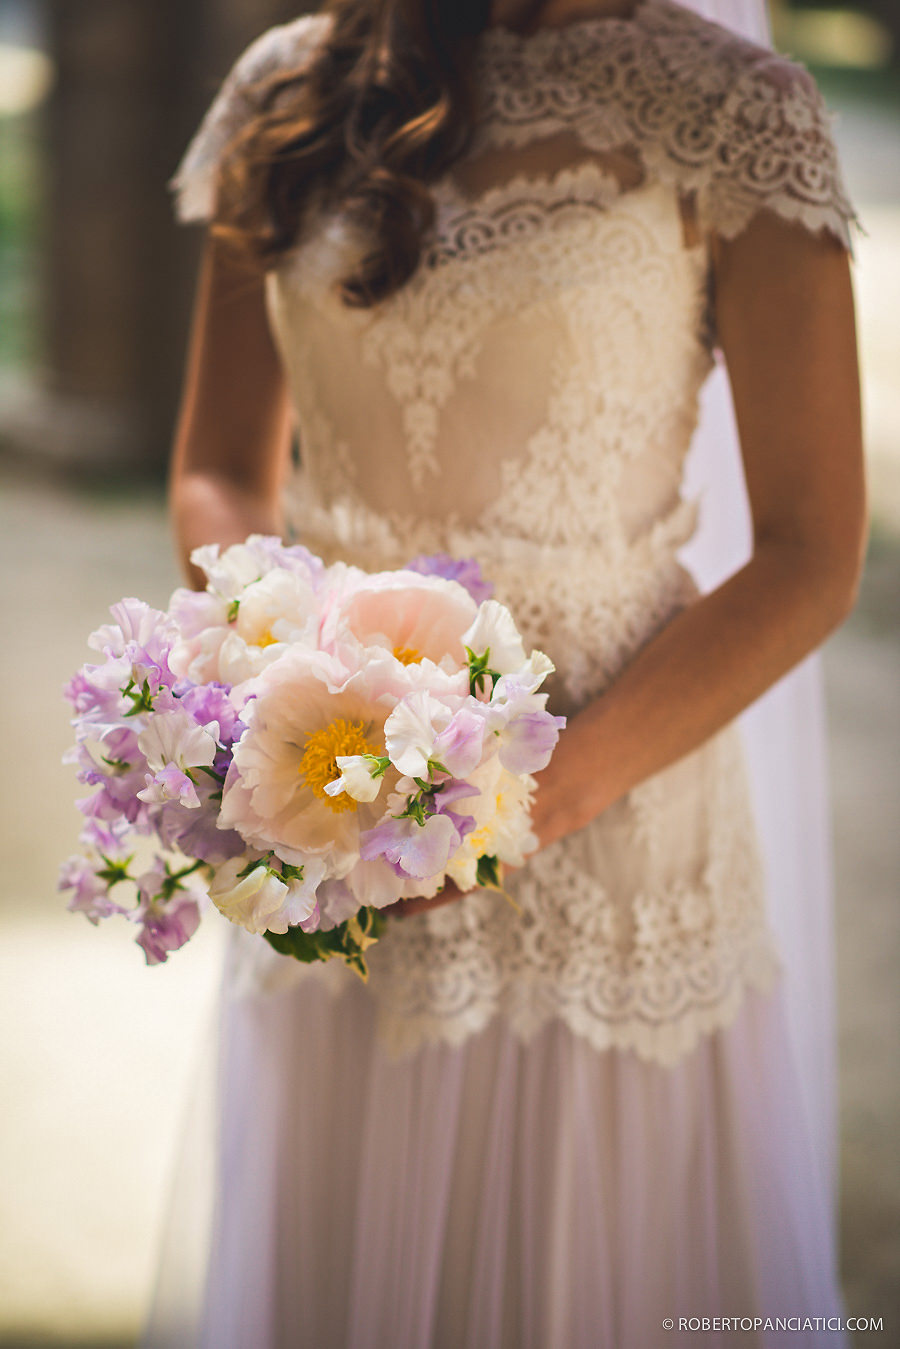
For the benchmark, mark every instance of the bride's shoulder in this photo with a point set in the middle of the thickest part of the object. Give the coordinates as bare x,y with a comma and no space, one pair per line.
287,48
747,127
695,49
279,48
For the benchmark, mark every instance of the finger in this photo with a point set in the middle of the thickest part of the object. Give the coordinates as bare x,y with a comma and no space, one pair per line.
420,904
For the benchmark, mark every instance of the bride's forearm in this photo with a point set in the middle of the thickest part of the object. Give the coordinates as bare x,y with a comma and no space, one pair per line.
708,664
210,508
235,426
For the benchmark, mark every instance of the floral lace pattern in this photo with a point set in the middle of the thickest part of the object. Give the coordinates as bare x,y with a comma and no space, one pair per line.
528,398
651,974
704,110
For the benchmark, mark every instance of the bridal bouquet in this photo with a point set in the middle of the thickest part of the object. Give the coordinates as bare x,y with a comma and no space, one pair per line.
302,746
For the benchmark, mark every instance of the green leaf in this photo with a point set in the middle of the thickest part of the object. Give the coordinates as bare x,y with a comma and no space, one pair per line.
233,609
480,670
114,872
378,764
295,942
141,699
488,872
348,941
211,773
251,866
120,765
414,810
174,878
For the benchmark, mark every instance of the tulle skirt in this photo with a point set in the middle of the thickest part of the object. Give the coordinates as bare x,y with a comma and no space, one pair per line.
501,1194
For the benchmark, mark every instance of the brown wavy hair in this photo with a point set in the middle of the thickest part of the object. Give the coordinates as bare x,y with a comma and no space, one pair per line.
383,108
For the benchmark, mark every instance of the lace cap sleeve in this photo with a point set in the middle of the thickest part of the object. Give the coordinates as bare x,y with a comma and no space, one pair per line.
282,47
776,150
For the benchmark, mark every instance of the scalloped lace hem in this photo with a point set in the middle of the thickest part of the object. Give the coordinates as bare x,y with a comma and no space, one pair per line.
664,1043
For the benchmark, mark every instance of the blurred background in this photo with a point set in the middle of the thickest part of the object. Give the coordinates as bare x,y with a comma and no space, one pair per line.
97,101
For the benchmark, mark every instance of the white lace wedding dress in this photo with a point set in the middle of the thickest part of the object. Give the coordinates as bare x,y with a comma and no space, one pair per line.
548,1129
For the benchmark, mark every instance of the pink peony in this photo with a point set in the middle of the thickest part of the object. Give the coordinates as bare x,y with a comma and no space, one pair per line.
417,620
304,711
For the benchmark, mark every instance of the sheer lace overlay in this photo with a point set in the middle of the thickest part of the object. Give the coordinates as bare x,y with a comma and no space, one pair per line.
528,398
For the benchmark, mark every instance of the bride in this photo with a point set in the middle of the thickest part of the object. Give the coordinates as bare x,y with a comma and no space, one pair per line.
484,258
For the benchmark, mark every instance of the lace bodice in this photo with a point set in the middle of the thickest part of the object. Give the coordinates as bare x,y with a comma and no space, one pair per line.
529,398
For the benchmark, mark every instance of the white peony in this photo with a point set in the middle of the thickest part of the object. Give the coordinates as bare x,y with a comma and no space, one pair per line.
280,608
502,823
228,573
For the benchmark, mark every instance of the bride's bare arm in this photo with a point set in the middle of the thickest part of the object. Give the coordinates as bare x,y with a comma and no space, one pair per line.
786,324
233,436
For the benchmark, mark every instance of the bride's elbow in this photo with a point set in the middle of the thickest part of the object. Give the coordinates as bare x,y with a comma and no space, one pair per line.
822,574
837,579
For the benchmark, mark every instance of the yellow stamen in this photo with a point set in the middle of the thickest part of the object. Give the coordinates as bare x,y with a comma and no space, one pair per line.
320,753
407,655
266,639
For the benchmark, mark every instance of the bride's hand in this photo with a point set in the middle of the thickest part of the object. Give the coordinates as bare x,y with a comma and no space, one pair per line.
404,907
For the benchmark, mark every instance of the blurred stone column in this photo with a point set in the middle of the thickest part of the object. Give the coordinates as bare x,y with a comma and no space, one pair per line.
133,79
117,274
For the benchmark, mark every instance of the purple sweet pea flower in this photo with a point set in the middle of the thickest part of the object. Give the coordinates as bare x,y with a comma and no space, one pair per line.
529,740
143,637
410,848
166,926
335,903
95,691
210,702
115,764
193,611
460,745
196,832
90,893
465,571
420,850
102,807
105,836
273,552
169,784
136,626
169,911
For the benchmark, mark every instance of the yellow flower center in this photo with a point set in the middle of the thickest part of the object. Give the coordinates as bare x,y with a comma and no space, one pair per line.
407,655
320,752
265,638
481,840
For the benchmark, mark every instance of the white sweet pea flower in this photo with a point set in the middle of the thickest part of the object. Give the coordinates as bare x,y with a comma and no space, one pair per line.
175,738
410,733
173,744
361,776
423,729
522,681
229,572
494,630
258,898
